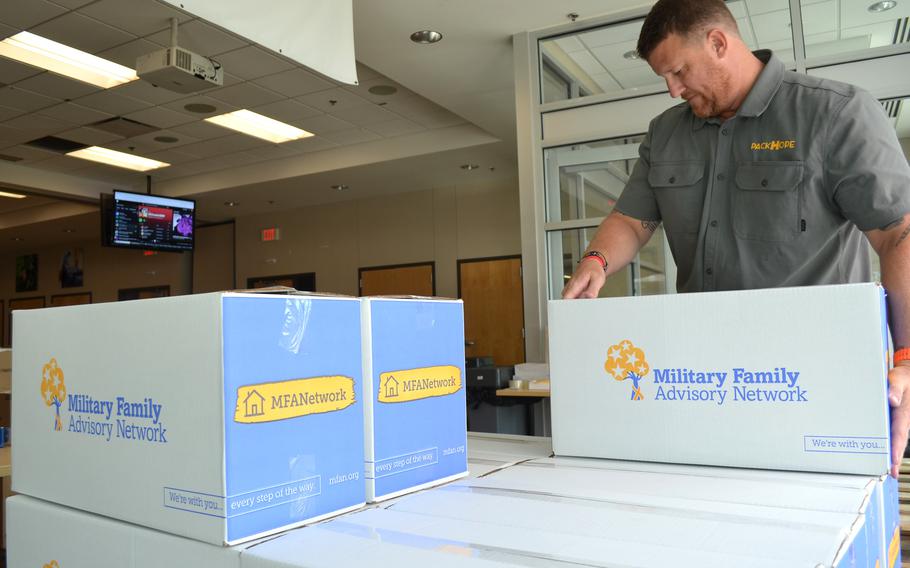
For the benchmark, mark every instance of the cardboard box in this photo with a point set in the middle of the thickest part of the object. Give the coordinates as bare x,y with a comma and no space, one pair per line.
789,378
414,402
44,534
220,417
581,510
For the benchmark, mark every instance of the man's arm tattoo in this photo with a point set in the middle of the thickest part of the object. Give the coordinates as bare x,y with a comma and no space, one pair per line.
903,236
651,226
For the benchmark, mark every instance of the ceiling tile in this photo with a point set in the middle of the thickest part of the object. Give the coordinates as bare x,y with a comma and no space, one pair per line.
397,127
311,144
12,71
273,151
147,93
437,119
612,34
89,136
40,125
737,8
227,80
294,83
73,4
762,6
23,14
6,31
174,157
10,136
160,117
322,124
772,26
223,145
352,136
29,153
638,77
62,164
251,62
110,102
57,86
286,111
245,95
75,113
820,18
570,43
201,130
147,143
25,100
126,54
200,38
363,90
364,114
138,17
221,107
606,82
323,100
82,32
7,113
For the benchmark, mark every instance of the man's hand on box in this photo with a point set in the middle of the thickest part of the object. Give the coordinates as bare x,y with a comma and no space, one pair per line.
587,281
899,398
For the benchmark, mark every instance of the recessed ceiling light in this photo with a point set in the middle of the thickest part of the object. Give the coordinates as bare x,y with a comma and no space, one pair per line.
200,108
383,90
340,187
118,159
469,167
231,203
12,195
631,55
253,124
882,6
166,139
64,60
69,230
17,239
426,36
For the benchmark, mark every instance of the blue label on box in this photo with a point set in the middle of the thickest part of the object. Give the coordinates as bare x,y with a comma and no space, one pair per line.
418,393
292,408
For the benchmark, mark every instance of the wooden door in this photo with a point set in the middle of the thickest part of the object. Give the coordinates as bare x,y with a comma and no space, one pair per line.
410,279
493,308
71,299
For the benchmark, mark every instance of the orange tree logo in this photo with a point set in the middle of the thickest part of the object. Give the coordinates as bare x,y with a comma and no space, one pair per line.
53,390
625,361
52,564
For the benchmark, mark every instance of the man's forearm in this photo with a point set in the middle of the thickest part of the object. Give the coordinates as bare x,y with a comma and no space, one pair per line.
619,238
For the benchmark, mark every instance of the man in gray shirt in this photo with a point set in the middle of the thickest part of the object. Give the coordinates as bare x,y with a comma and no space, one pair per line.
763,178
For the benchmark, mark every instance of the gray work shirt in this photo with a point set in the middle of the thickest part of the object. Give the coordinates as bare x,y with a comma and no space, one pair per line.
776,195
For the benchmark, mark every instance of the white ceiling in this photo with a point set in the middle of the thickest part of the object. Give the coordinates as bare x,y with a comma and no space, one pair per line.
455,104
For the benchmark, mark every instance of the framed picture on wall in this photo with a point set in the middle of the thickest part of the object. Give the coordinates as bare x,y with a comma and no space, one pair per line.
20,304
27,273
71,268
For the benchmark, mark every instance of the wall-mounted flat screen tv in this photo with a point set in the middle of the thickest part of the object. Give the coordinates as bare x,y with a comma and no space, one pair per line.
149,222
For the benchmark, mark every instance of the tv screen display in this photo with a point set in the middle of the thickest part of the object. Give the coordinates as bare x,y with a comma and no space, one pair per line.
152,222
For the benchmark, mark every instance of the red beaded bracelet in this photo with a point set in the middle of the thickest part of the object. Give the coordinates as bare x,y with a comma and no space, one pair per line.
596,256
901,355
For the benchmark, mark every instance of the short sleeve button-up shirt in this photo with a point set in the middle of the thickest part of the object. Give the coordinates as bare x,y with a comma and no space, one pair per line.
778,194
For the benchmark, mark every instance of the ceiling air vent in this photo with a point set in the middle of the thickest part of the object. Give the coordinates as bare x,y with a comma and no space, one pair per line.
892,107
54,144
124,127
902,30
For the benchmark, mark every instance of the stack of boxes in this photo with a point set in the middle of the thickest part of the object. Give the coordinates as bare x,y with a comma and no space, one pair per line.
231,416
719,498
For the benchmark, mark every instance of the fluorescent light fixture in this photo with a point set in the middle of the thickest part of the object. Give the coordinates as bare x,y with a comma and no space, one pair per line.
119,159
249,122
13,195
64,60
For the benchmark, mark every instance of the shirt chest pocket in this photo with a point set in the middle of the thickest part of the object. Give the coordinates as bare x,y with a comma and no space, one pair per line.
766,205
679,188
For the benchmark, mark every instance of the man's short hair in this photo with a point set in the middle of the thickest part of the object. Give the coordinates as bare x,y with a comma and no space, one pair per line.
681,17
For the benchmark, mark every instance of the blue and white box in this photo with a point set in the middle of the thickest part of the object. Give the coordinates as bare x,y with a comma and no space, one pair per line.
786,378
414,394
221,417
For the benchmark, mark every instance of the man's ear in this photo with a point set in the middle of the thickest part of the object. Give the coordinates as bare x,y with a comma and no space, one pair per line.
717,42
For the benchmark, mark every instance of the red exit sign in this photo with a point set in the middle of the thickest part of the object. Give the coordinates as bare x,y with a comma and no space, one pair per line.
272,234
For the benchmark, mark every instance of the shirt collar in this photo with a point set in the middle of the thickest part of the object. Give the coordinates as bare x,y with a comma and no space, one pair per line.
760,94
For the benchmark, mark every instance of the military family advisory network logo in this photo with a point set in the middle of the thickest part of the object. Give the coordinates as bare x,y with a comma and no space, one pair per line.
53,389
52,564
627,362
